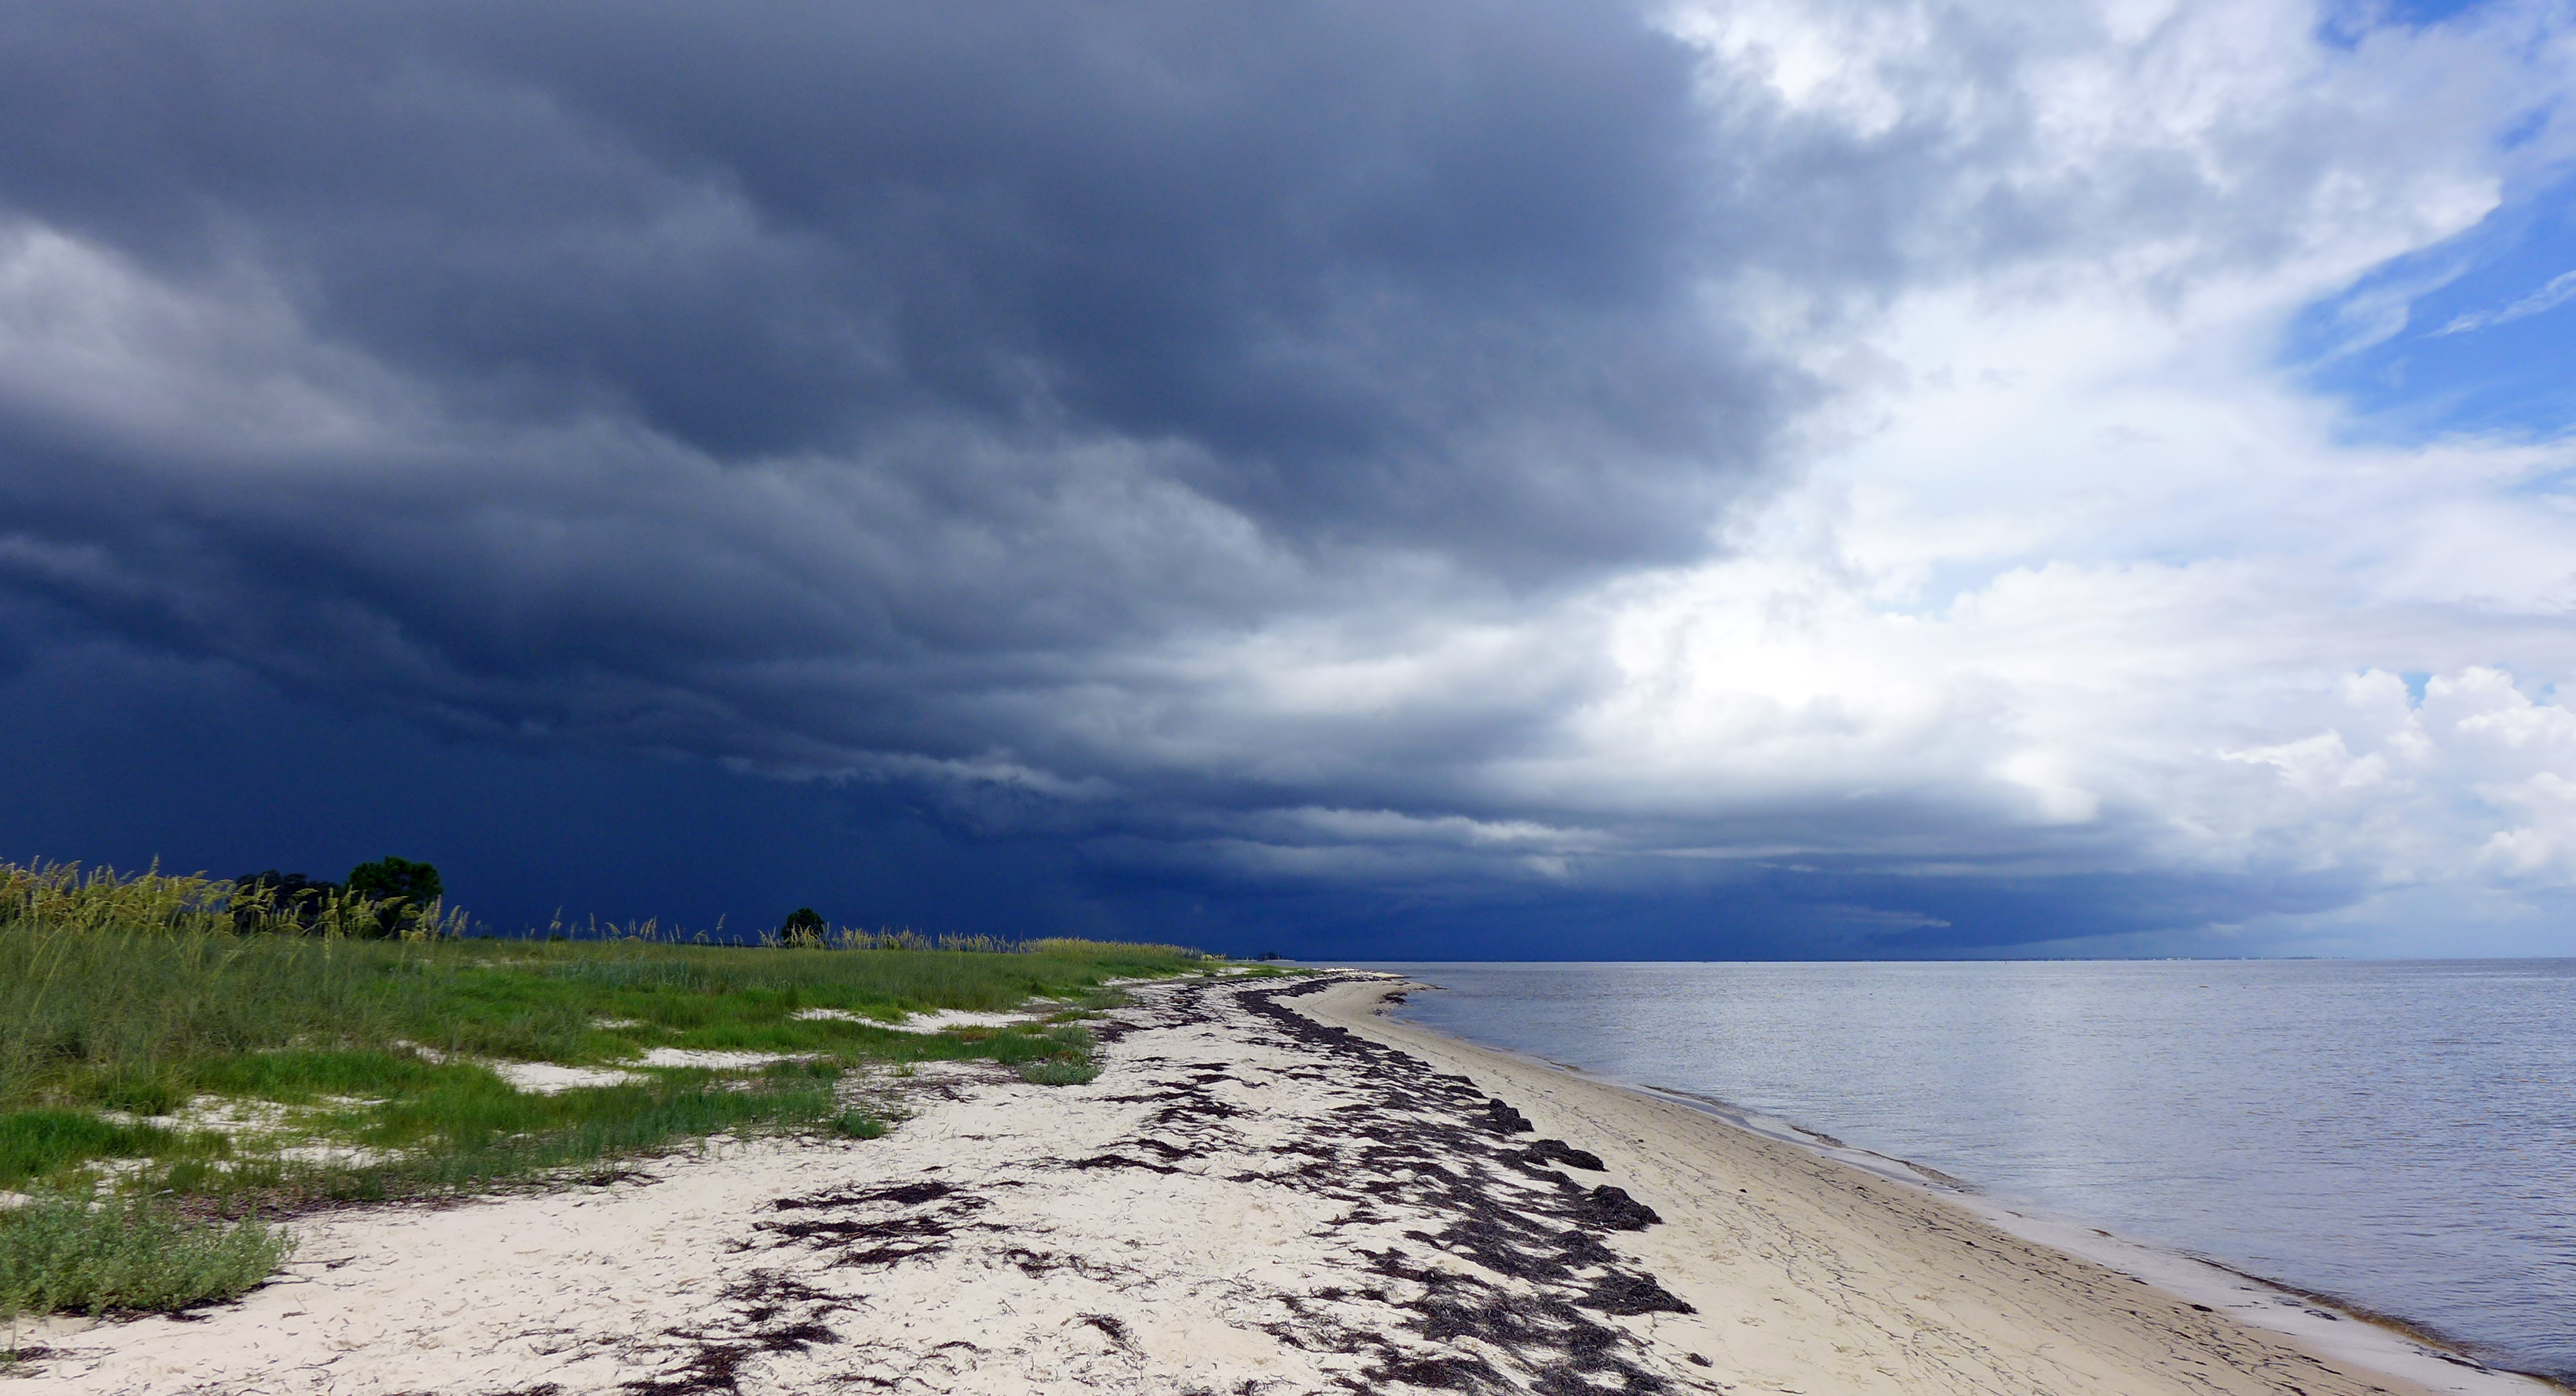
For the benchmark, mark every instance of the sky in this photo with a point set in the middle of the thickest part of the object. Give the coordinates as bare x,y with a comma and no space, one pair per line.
1403,481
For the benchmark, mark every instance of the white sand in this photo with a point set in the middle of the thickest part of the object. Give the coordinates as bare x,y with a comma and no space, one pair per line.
547,1078
716,1061
1243,1202
940,1021
537,1078
948,1018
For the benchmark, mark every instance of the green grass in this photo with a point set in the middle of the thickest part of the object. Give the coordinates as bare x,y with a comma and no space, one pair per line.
123,1000
859,1124
35,1143
1058,1073
61,1254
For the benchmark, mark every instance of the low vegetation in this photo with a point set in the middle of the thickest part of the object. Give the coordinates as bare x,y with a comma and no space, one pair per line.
177,1059
60,1253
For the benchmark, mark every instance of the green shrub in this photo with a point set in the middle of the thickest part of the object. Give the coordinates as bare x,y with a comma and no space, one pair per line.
804,929
858,1124
416,884
1058,1072
60,1254
406,893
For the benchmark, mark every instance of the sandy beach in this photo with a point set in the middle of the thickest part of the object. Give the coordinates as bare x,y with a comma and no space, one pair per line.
1269,1189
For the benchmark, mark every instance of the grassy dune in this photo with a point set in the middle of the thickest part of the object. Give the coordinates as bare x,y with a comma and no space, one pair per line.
196,1069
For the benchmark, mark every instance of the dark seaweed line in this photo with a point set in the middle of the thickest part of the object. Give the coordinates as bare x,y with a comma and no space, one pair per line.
1408,1145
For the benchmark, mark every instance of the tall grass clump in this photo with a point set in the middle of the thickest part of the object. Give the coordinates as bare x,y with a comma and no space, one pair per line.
67,1254
106,982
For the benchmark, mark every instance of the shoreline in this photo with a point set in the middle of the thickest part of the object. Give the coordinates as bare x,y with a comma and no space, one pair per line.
1269,1189
2326,1323
2382,1342
2354,1340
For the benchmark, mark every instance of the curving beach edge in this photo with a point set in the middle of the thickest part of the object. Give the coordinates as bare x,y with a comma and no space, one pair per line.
1883,1281
1270,1188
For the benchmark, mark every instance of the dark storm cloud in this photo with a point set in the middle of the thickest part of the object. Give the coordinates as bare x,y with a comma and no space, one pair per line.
904,390
128,757
799,380
1409,273
1147,431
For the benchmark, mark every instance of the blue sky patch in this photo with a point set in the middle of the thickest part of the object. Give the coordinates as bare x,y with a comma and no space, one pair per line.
2476,335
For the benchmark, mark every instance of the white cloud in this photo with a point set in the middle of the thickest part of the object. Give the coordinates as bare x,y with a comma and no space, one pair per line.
2100,584
2560,290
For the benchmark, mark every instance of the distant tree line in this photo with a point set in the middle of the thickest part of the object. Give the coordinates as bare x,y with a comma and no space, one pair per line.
385,897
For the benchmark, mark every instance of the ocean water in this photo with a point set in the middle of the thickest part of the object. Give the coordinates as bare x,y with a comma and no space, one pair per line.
2399,1135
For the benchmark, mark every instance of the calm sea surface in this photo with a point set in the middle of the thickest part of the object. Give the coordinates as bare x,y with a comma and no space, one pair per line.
2402,1135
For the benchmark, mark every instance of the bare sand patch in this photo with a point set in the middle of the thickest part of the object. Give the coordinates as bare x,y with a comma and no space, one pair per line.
947,1018
548,1078
939,1021
716,1061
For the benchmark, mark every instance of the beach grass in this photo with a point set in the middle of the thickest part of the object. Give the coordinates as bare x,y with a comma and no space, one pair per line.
156,1042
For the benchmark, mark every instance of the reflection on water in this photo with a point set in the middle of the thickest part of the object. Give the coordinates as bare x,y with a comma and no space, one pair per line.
2400,1134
